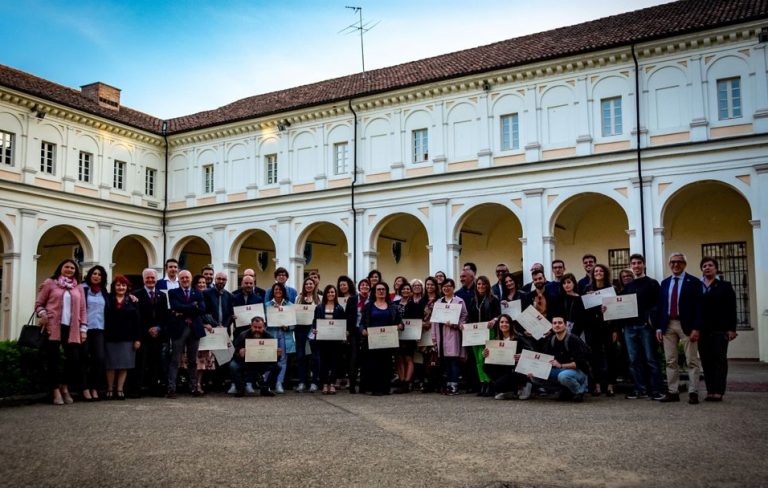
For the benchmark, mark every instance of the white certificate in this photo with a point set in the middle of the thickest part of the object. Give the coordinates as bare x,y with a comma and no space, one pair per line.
223,356
214,341
534,322
281,316
501,352
622,307
446,312
513,308
383,337
475,334
245,313
343,301
411,330
535,363
595,299
305,314
331,330
426,339
260,350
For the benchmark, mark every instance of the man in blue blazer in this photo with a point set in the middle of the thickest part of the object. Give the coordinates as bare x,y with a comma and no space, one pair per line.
678,318
185,328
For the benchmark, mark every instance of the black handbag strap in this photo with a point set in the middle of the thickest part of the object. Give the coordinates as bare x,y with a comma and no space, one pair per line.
31,320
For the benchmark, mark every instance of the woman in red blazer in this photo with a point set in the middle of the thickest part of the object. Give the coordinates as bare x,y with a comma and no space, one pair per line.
60,307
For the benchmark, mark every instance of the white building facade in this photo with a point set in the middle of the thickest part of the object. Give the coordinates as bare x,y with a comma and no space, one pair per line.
516,165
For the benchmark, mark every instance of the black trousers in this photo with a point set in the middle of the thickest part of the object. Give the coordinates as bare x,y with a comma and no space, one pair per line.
713,351
329,353
151,371
71,374
92,360
379,370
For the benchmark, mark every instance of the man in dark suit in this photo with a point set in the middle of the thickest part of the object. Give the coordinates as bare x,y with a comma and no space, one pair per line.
151,369
498,288
588,261
185,328
679,319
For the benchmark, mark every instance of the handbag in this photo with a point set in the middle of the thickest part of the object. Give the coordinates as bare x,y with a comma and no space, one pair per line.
31,335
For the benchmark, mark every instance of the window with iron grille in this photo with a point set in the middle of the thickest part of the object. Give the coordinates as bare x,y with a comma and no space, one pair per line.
84,167
118,176
618,259
47,157
149,182
270,164
734,267
7,143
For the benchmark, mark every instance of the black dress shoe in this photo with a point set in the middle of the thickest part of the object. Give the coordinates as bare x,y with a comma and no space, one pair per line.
266,392
670,397
693,398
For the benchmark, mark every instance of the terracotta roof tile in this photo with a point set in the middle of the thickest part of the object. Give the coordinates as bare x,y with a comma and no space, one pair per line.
32,85
666,20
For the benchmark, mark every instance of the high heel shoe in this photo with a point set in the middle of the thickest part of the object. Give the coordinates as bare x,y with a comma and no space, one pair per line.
109,395
120,395
57,399
67,398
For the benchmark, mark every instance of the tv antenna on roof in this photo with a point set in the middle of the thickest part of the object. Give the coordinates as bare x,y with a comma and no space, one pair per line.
360,27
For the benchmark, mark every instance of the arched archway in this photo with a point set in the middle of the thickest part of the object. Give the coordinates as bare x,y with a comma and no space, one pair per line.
130,257
58,243
401,242
490,234
324,248
6,282
255,249
590,223
194,254
711,218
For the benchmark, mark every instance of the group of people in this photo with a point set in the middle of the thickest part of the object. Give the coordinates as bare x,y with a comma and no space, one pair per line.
118,341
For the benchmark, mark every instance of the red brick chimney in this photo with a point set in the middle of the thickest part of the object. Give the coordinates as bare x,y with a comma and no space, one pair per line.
106,96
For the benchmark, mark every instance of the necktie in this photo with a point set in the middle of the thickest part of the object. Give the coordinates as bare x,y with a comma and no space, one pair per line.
152,296
186,293
673,304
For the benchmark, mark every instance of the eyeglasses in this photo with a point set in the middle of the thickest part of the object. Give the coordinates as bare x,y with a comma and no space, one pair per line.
677,262
501,271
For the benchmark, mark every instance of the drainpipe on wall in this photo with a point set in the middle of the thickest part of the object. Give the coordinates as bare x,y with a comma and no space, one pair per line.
164,131
638,150
352,194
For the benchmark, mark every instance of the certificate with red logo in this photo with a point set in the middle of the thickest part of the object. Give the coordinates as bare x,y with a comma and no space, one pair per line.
260,350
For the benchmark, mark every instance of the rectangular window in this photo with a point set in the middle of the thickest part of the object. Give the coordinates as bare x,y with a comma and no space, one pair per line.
618,259
340,152
270,165
729,98
510,132
118,175
7,144
208,178
610,110
733,264
47,157
420,145
84,164
149,182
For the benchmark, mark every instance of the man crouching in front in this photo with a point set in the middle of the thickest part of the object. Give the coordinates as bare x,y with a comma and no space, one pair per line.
244,374
570,364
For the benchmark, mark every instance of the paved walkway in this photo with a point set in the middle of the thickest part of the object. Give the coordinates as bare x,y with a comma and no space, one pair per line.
399,440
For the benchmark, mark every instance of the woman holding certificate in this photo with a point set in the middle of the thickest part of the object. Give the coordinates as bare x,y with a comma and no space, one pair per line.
504,381
328,350
484,308
407,309
308,296
448,315
379,314
354,311
279,326
573,307
600,336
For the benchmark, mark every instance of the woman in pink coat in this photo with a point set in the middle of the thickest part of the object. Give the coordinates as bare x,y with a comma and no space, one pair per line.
60,307
447,339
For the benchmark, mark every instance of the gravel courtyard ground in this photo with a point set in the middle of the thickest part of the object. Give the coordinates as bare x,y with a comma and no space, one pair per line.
399,440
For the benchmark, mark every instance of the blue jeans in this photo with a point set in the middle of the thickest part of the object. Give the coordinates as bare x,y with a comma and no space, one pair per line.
242,372
451,368
573,379
641,347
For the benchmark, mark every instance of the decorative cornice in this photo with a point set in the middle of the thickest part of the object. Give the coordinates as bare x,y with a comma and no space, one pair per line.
78,117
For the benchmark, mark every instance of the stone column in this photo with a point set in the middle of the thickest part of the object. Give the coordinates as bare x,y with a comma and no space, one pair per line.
533,210
439,236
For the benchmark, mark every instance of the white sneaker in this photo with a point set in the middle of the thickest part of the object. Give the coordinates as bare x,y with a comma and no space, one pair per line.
301,388
279,389
507,395
232,389
312,388
249,389
525,392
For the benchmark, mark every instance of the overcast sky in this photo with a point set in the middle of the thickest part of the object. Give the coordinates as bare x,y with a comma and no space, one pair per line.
177,58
